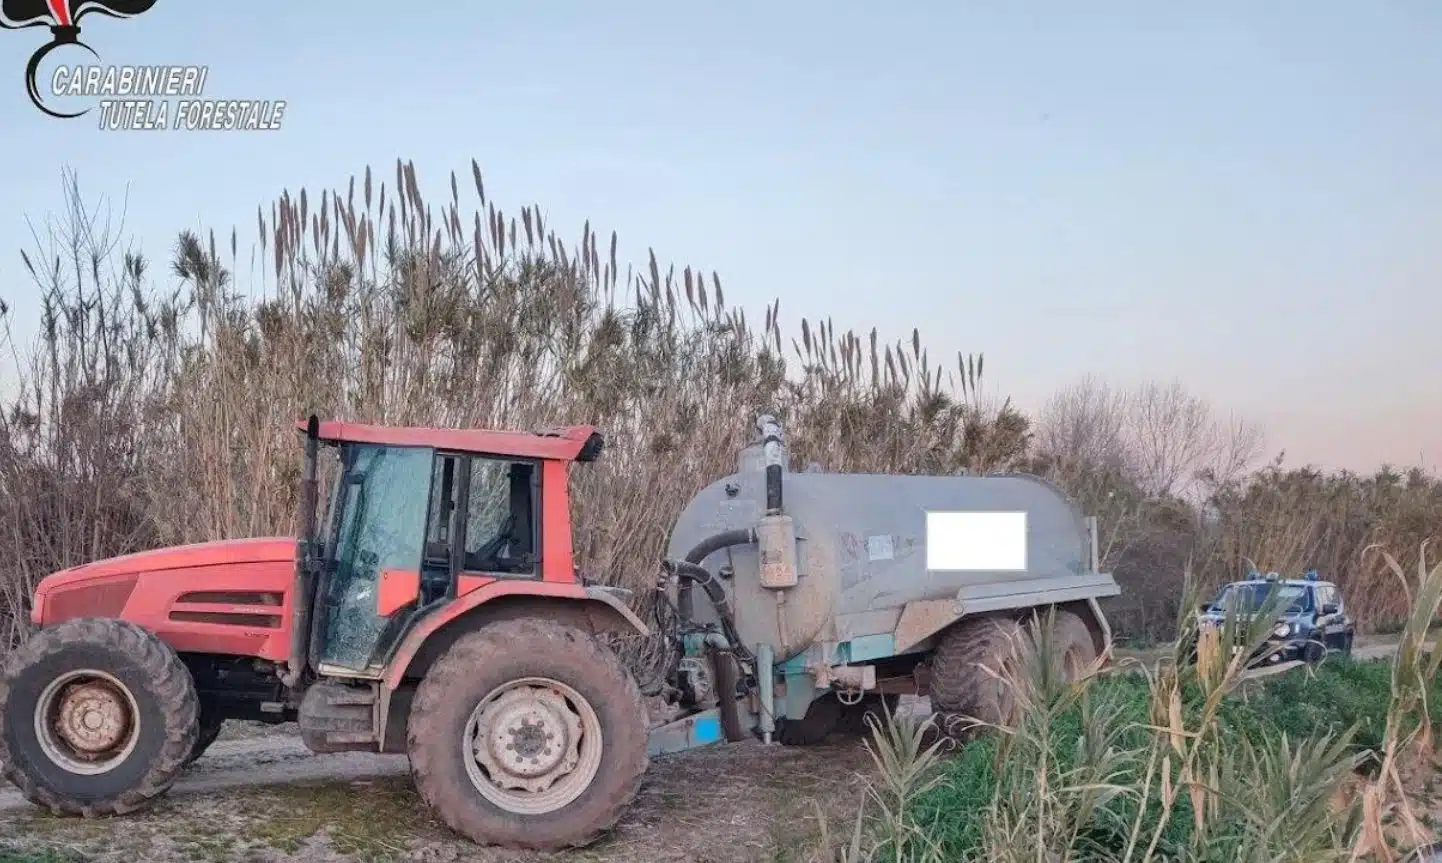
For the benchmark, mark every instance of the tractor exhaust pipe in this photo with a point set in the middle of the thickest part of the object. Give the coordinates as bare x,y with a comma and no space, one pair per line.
302,593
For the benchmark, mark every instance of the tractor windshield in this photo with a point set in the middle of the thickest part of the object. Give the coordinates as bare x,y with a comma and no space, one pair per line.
377,522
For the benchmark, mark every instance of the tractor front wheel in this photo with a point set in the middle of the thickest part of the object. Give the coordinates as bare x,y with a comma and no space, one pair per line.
211,724
528,734
97,717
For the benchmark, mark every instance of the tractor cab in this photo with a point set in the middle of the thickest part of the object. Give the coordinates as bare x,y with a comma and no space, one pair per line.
418,517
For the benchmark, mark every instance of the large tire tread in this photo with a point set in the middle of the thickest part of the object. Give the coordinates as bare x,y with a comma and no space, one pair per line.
962,668
970,653
473,666
210,727
169,683
1072,636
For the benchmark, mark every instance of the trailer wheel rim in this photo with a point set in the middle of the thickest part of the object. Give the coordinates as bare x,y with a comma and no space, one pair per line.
532,745
87,721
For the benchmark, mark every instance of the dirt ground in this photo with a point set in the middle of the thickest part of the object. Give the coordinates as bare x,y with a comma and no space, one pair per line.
258,795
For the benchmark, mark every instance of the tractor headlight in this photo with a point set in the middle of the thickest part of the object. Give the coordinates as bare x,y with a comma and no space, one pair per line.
1283,630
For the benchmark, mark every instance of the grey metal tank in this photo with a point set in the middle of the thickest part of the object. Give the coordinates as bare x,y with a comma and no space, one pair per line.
885,560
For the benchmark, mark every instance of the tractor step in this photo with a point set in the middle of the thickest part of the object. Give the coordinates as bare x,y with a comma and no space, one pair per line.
348,695
336,717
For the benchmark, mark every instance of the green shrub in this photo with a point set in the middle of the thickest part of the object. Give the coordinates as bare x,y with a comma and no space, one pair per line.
1298,706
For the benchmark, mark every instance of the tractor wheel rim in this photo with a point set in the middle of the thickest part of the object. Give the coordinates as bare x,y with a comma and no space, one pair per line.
87,721
532,746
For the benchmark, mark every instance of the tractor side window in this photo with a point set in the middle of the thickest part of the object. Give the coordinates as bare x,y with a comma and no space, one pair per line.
500,517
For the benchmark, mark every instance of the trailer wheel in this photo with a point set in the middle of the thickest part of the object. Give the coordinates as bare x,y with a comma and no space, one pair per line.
98,718
972,654
1072,637
964,667
823,716
853,716
528,734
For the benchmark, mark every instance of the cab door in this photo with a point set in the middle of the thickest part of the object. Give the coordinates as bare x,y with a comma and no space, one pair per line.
375,547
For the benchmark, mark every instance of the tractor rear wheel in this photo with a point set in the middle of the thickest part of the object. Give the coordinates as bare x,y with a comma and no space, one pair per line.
98,717
528,734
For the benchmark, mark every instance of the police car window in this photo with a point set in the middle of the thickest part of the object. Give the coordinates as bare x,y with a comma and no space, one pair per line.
1251,596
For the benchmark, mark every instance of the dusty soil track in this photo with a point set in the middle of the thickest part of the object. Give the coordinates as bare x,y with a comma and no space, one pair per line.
264,797
258,794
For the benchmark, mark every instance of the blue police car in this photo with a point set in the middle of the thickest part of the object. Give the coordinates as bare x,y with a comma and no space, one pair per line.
1311,622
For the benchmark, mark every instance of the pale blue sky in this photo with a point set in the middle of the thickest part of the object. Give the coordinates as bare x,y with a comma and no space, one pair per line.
1246,196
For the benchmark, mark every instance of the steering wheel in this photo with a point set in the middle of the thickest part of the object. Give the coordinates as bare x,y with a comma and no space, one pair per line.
489,551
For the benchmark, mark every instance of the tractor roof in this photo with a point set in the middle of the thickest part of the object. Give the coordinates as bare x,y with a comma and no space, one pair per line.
567,443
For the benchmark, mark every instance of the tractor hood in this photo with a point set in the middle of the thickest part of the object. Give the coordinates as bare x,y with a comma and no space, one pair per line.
231,551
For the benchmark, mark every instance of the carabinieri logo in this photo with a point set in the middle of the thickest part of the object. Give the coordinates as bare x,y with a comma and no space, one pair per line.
63,19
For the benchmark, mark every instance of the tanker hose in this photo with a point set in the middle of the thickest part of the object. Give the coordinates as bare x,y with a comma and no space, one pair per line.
692,573
711,544
704,549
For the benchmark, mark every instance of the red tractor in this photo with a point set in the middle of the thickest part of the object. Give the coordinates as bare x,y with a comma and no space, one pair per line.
436,613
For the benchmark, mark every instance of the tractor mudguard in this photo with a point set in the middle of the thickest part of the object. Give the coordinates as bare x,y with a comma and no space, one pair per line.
588,607
591,608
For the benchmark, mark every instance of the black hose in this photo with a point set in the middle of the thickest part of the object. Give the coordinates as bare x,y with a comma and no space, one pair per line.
727,674
711,544
694,574
685,605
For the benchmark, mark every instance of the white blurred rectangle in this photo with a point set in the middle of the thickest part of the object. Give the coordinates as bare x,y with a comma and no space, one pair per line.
976,541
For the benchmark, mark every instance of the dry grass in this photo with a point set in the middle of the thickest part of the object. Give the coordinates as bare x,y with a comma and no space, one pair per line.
149,416
159,407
